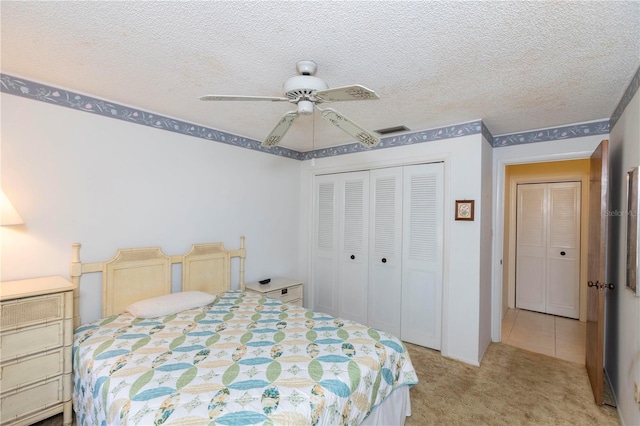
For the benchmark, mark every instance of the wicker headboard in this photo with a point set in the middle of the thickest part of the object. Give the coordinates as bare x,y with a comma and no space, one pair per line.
140,273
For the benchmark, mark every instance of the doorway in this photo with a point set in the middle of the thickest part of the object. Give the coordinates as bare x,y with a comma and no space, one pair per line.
553,171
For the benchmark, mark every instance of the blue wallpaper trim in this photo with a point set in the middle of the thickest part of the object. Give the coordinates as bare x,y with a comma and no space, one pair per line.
487,134
440,133
51,95
626,98
557,133
44,93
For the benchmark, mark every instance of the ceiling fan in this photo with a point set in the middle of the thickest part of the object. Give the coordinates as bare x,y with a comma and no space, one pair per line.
307,91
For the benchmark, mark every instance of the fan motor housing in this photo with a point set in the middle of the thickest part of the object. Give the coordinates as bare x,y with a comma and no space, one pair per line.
303,87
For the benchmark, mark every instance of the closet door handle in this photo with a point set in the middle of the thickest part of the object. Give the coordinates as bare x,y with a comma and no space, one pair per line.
352,257
384,260
562,253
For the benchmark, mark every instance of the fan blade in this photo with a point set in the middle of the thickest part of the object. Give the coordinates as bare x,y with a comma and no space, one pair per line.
241,98
363,136
279,131
347,93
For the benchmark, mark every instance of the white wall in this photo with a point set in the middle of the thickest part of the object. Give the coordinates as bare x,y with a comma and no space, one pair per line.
622,342
567,149
463,167
484,338
109,184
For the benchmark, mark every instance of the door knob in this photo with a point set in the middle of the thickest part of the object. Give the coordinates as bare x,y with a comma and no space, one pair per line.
601,286
562,253
352,257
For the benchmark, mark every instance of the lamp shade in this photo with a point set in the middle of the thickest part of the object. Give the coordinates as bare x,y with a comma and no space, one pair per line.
8,214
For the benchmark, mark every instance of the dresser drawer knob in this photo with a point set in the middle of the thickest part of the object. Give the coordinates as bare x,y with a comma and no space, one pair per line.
284,291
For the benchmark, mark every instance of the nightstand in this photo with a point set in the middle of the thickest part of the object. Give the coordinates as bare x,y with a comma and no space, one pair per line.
284,289
36,336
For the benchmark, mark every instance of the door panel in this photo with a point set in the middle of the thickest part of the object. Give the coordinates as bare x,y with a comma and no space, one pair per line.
325,268
385,249
353,261
531,249
563,250
422,247
598,206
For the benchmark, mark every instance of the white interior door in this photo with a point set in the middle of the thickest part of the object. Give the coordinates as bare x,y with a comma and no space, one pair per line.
422,248
548,248
385,249
354,247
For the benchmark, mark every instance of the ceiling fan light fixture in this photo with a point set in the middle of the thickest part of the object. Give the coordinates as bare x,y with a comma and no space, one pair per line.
305,107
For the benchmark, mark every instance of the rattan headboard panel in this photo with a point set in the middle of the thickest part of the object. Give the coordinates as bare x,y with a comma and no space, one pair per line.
141,273
133,275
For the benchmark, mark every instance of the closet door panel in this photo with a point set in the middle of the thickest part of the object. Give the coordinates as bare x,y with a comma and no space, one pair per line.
531,254
563,250
325,265
385,249
354,247
422,247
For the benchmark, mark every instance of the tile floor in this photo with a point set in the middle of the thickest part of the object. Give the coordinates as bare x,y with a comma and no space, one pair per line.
558,337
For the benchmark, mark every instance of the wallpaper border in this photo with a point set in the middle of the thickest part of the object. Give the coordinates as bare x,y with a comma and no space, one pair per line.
61,97
632,89
552,134
439,133
52,95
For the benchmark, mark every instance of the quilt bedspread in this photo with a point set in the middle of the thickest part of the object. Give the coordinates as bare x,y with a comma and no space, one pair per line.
244,359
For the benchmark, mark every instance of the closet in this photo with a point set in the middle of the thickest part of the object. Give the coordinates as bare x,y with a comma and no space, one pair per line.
378,242
548,248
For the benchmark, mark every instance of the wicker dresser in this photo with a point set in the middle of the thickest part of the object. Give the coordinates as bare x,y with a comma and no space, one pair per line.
36,336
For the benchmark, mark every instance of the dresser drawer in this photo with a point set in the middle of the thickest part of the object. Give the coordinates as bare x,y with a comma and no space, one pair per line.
286,294
28,370
30,400
18,313
31,340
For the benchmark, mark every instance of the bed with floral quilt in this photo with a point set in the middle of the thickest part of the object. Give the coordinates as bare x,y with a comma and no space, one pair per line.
241,359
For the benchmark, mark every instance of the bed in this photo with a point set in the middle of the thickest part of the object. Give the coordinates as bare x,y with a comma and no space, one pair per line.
226,356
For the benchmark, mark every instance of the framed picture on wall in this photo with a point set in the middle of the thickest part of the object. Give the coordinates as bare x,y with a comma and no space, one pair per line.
632,230
464,209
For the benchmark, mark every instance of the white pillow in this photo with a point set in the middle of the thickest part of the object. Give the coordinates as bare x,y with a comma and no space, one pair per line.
168,304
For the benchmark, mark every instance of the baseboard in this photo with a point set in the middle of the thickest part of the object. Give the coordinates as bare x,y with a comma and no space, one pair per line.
615,397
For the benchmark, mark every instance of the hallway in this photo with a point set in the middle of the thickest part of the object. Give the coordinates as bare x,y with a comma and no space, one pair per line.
558,337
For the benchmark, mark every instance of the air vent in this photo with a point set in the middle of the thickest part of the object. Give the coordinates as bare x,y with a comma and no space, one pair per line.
395,129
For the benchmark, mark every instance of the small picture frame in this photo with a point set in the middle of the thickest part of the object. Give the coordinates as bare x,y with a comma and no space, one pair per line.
464,209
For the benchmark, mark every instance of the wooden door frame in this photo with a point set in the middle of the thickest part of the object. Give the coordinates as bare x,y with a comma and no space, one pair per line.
510,250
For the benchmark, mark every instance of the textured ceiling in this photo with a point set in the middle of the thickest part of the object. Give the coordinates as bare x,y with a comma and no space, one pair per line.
516,65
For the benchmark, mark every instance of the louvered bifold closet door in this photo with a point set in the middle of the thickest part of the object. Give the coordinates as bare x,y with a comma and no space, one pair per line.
563,250
531,247
548,248
354,246
422,249
325,265
385,249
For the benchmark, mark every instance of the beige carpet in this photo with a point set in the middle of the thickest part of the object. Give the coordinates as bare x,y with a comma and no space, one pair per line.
511,387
